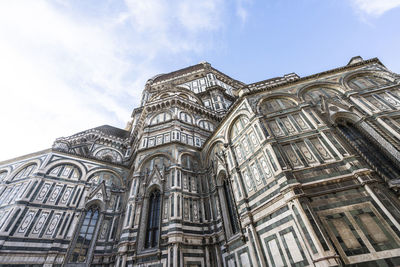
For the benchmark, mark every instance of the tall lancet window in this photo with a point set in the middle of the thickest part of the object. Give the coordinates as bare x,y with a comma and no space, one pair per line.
153,221
231,208
86,236
370,151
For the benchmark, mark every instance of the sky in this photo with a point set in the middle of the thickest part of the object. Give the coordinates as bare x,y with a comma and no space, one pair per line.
67,66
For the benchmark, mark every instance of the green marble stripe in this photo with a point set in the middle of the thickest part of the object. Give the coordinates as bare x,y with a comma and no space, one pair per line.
271,216
275,225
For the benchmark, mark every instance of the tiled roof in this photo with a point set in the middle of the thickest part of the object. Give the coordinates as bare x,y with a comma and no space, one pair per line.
111,130
167,76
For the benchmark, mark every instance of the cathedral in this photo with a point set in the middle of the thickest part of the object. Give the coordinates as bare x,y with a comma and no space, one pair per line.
211,171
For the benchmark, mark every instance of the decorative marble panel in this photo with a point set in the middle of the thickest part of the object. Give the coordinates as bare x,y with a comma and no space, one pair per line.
43,191
66,195
40,223
308,155
288,125
53,224
256,173
265,166
276,130
56,192
104,229
248,180
292,156
300,121
26,221
253,139
321,149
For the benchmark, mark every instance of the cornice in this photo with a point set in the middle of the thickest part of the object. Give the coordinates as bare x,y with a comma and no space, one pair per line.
25,157
313,76
91,158
294,82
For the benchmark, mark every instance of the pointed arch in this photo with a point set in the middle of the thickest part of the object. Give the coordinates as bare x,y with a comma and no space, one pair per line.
153,219
188,161
110,178
215,147
237,126
141,166
226,195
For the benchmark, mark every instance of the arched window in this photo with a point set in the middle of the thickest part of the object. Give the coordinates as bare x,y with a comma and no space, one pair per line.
239,126
159,162
185,117
276,104
109,155
153,220
366,82
315,94
65,171
109,178
85,236
216,149
25,172
161,117
206,125
231,208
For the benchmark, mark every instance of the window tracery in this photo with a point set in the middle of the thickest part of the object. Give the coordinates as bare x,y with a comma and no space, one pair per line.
206,125
109,155
276,104
185,117
315,94
25,172
159,162
65,171
109,178
369,150
85,236
232,218
239,126
161,117
367,82
188,162
153,220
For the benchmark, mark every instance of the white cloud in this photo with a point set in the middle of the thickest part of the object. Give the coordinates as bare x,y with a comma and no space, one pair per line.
197,15
242,9
64,71
375,7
